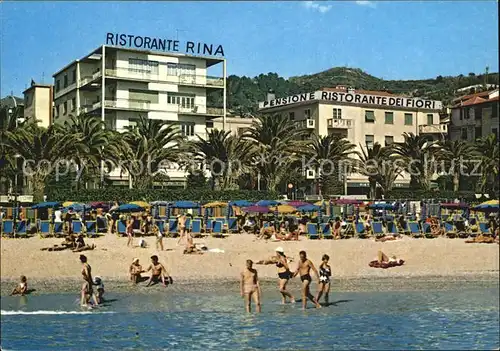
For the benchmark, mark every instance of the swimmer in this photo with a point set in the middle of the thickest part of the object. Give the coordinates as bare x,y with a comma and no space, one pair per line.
250,287
304,268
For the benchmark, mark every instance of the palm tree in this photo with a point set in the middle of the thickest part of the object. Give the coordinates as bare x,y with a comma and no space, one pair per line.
226,155
42,150
277,145
370,164
487,148
327,154
417,153
454,153
388,172
8,123
152,145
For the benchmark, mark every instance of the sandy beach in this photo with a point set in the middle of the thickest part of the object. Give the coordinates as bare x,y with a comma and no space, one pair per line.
349,258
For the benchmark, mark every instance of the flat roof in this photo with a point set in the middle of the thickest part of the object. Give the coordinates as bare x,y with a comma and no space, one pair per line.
38,86
210,60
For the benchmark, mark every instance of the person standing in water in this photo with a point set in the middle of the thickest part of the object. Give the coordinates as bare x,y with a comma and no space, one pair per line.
250,287
88,282
304,268
325,272
284,274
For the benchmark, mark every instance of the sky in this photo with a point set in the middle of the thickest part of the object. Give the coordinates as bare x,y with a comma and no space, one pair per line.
390,40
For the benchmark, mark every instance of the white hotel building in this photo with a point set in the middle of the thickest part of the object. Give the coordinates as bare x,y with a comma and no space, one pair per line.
363,117
120,84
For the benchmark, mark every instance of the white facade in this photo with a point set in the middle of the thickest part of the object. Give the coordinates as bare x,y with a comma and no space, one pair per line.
120,84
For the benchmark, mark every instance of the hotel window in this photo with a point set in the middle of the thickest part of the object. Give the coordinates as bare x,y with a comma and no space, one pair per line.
408,119
27,101
389,140
478,132
143,66
65,80
307,113
58,85
337,113
291,116
187,129
430,119
389,118
209,124
186,70
171,69
494,110
65,107
463,134
184,100
74,76
369,139
73,104
369,116
143,96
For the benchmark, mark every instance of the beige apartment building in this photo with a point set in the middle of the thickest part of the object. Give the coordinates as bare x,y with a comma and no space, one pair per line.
361,116
38,104
475,116
120,84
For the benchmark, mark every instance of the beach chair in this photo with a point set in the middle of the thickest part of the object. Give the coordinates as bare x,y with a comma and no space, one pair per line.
44,229
188,223
217,229
121,227
360,230
462,231
426,230
209,225
58,229
415,230
172,227
196,228
484,229
8,228
232,225
91,229
326,231
450,230
77,227
392,228
378,229
312,231
403,229
102,225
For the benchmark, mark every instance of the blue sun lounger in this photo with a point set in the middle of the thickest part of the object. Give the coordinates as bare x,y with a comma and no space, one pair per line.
232,225
160,223
172,227
77,227
312,231
415,230
91,227
44,229
484,228
392,228
450,230
58,229
121,227
196,228
326,231
8,228
217,231
361,230
378,229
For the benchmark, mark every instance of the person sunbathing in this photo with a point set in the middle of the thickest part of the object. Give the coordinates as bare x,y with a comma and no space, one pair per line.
287,236
387,238
266,233
21,288
85,248
135,271
383,261
191,247
481,239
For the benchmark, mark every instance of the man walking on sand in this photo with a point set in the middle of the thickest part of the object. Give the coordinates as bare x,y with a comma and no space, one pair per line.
250,287
181,223
304,268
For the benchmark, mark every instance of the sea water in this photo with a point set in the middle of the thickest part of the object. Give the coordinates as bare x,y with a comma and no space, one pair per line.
166,318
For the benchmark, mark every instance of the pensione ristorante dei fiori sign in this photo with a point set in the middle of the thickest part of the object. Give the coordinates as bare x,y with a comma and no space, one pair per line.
163,44
356,99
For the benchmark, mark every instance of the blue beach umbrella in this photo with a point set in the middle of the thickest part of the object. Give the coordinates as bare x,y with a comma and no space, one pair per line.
77,208
185,204
308,208
129,208
241,203
267,203
41,205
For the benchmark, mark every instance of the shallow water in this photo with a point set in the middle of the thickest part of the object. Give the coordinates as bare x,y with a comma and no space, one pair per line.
165,318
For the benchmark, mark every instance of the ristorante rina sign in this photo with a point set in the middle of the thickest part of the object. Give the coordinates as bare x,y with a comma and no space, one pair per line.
355,98
162,44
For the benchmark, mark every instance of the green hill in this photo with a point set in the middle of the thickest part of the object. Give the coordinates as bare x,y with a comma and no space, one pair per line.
244,92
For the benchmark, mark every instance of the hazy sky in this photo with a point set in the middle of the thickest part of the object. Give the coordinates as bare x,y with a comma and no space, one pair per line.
392,40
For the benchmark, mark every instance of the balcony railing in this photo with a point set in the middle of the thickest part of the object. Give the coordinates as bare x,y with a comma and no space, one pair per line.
146,105
184,79
339,123
433,128
89,78
65,90
133,104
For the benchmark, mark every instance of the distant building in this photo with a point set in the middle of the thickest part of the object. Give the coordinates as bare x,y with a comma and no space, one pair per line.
236,125
38,104
474,116
363,117
11,102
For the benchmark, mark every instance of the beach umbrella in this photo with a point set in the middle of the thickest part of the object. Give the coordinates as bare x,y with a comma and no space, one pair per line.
381,206
185,204
284,209
41,205
158,203
142,204
256,209
267,203
308,208
215,204
488,206
129,208
68,203
320,203
297,203
77,207
241,203
97,204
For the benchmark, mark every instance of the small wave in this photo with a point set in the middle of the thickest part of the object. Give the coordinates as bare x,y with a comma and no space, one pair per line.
12,313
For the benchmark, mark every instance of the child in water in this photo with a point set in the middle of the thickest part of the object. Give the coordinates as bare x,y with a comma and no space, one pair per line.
100,289
22,288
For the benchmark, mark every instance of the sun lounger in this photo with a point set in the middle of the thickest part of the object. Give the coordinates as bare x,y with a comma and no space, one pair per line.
378,229
209,226
77,227
44,229
415,230
360,230
484,228
427,231
392,228
172,227
326,231
232,225
461,229
312,231
450,230
196,228
121,227
8,228
58,229
91,228
217,229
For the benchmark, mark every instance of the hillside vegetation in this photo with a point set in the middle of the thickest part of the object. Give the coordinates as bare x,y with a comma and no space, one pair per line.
244,92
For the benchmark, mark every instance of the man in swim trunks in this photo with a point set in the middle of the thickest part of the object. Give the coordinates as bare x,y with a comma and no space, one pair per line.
304,268
88,282
181,223
250,287
158,272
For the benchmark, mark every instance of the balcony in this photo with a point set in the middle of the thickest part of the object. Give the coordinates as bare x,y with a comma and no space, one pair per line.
145,105
89,78
129,104
307,123
185,79
433,129
64,91
337,123
89,107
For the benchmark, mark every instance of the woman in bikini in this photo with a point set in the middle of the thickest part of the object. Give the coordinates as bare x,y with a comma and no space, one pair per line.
130,230
284,273
325,272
